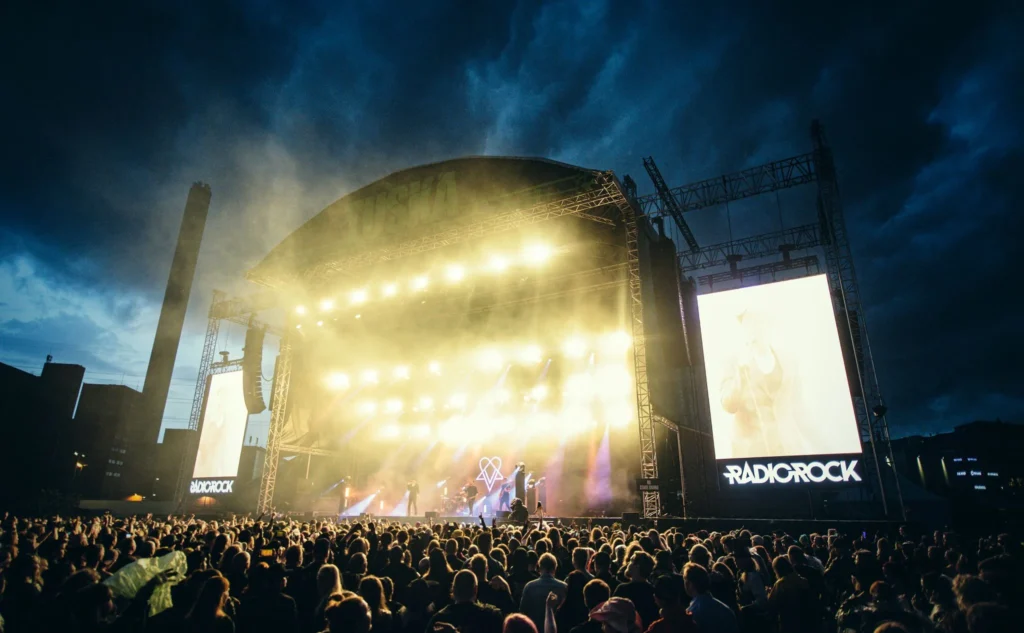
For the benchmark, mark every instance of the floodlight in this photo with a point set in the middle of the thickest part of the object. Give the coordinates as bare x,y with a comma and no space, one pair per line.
575,347
434,367
497,264
539,392
394,405
455,273
502,396
617,342
300,309
420,283
370,376
458,400
327,305
491,360
401,373
319,323
367,408
337,381
390,290
420,430
358,296
390,431
298,326
425,404
537,253
531,354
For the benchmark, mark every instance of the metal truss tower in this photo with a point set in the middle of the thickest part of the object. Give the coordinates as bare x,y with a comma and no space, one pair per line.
669,202
278,410
829,234
868,405
209,345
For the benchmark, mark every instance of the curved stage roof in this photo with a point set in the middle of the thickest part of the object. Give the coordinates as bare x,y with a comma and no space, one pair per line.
417,202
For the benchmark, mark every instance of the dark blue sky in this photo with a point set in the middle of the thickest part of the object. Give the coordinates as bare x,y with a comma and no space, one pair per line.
111,113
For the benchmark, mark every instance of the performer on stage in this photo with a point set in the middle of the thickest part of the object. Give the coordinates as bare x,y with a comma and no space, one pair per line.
521,481
469,490
504,495
414,493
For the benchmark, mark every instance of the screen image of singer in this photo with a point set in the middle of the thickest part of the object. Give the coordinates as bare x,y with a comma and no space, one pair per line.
220,444
777,383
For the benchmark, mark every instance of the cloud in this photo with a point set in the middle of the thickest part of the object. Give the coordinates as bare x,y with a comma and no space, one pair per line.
284,108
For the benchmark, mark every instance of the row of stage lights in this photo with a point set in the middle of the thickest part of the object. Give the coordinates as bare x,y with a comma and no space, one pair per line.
494,359
532,255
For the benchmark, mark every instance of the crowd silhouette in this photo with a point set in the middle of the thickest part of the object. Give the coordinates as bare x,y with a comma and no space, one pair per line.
255,575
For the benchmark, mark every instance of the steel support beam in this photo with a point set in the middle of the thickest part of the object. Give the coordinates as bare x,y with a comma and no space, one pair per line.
798,237
188,457
280,389
669,202
780,174
810,263
645,414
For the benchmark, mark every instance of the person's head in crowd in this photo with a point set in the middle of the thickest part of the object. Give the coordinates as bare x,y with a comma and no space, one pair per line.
971,590
696,579
882,593
640,566
725,572
700,555
439,567
595,592
991,617
518,623
464,587
663,561
782,566
293,557
668,591
372,591
93,605
351,615
328,581
357,564
26,568
478,565
602,562
209,604
548,564
580,558
322,551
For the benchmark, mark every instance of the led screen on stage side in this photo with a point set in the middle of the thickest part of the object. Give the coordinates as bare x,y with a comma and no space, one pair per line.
220,444
777,383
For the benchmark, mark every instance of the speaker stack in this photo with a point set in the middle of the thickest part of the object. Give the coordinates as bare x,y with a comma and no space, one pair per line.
252,369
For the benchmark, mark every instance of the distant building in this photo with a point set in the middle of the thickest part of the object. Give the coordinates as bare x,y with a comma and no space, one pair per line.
977,467
103,429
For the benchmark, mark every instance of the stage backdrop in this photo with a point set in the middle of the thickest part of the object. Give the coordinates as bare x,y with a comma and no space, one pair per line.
223,431
777,383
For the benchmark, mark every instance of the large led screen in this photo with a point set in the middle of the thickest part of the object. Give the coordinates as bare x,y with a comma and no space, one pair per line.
777,383
220,445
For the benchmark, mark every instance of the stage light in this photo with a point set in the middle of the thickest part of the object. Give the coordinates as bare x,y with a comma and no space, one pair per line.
327,305
382,505
401,373
575,347
420,283
616,342
359,316
337,381
298,326
497,264
390,431
531,355
502,396
390,290
319,323
537,253
458,401
434,367
370,377
367,408
394,405
420,430
491,359
346,492
300,309
425,404
455,274
358,296
539,392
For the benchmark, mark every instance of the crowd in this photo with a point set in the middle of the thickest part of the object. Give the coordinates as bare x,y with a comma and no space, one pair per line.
251,575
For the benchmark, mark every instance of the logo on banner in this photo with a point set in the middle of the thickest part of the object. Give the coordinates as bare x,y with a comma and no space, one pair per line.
490,471
792,472
211,487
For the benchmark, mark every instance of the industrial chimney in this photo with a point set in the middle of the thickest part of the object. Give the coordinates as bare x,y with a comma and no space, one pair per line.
172,314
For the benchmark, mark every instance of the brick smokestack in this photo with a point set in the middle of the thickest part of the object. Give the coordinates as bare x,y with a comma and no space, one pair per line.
172,314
